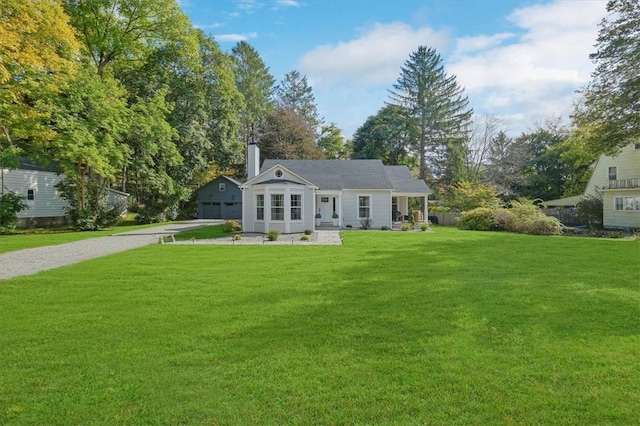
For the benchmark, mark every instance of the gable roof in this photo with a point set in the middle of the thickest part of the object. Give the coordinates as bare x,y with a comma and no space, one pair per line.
218,178
337,174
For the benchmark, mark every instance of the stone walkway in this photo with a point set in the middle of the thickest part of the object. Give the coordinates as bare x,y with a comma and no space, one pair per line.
34,260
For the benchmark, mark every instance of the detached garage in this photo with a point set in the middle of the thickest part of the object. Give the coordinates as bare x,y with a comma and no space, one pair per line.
220,199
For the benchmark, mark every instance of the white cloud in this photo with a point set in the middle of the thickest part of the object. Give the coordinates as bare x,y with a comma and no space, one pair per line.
235,37
373,58
287,3
536,72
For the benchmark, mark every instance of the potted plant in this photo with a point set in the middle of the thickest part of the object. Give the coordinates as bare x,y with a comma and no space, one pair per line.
318,217
334,219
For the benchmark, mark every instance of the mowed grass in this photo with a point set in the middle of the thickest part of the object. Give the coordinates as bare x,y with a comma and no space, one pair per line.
204,233
450,327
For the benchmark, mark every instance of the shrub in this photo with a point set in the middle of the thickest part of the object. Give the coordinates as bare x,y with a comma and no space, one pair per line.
424,227
466,195
503,219
406,227
305,237
237,237
10,205
232,226
590,212
384,228
366,223
529,219
479,219
308,232
274,234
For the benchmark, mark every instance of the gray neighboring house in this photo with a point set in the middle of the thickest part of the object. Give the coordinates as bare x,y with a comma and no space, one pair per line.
288,195
220,199
38,185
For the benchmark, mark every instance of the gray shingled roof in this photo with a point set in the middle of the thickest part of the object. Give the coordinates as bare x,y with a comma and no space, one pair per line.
403,181
351,174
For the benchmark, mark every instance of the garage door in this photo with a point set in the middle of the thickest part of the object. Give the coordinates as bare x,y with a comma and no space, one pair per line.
211,210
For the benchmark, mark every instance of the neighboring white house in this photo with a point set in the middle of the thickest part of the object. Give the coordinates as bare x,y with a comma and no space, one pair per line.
287,195
38,185
617,179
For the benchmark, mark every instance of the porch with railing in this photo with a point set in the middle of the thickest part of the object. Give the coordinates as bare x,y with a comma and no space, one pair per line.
624,183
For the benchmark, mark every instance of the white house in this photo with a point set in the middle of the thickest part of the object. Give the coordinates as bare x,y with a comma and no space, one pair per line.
38,185
288,195
617,179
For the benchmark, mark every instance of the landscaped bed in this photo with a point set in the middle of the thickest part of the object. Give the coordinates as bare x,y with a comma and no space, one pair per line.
390,328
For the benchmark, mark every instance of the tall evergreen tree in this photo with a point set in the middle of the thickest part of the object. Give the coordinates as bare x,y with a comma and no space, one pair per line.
609,116
255,83
294,93
439,109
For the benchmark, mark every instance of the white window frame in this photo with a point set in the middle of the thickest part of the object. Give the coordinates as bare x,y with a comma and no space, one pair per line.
276,208
368,196
259,207
626,204
609,172
297,208
31,195
222,187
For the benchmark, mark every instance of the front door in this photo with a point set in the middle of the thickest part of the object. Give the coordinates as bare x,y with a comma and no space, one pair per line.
324,207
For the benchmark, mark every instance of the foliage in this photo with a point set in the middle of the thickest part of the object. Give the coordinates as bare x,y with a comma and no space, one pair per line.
530,219
424,227
366,223
295,94
407,227
467,195
10,205
608,114
305,237
437,106
254,81
288,136
38,52
545,171
232,226
522,217
332,143
590,212
273,235
478,219
389,135
308,232
95,212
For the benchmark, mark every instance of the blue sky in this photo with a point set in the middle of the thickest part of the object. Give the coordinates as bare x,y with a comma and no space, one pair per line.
519,60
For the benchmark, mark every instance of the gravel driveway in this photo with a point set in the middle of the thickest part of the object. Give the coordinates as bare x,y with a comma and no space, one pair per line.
34,260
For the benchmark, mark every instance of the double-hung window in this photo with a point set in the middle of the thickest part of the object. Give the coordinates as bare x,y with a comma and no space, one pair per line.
260,207
296,207
364,206
613,173
277,206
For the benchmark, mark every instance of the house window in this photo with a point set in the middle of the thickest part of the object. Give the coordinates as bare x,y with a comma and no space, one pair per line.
324,199
221,187
364,206
296,207
260,207
278,173
629,204
277,206
31,194
613,173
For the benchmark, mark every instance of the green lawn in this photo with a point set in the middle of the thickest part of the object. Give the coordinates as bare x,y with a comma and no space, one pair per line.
450,327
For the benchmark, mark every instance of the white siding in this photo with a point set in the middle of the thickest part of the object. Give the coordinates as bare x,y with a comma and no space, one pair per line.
619,218
627,162
47,202
380,208
250,224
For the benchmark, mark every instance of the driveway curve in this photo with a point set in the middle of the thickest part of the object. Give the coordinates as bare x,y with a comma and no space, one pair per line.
34,260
